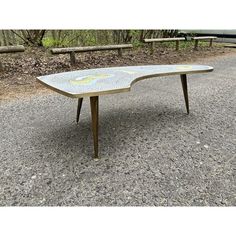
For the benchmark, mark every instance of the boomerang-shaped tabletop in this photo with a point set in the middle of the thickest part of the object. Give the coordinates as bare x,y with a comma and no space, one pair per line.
95,82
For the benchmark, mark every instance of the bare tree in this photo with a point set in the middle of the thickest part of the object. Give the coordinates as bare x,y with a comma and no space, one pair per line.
31,37
80,37
122,36
4,38
169,33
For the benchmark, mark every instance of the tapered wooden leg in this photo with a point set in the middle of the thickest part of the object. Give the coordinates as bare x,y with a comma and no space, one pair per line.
94,114
185,90
80,101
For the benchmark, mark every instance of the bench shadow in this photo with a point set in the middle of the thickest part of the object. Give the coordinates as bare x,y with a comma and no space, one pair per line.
116,125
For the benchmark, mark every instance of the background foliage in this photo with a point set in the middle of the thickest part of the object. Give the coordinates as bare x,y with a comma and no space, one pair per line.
64,38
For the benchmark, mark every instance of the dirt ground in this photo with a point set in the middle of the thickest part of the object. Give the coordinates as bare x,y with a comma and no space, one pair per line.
20,70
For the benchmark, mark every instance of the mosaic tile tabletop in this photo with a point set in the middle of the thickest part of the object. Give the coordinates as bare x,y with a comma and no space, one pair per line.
95,82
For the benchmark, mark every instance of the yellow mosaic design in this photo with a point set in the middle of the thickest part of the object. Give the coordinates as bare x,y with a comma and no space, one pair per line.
183,67
89,79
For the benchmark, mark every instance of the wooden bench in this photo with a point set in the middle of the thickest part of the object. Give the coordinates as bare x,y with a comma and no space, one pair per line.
196,39
73,50
93,83
10,49
152,41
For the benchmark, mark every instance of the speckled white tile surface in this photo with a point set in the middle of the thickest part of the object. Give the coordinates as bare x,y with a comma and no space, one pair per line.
111,80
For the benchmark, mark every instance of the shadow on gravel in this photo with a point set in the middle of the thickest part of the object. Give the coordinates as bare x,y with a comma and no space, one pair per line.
118,128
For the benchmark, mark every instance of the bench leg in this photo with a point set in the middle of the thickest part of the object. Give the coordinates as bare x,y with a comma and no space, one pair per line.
196,44
1,66
185,90
120,52
177,46
72,58
80,100
151,48
94,114
210,42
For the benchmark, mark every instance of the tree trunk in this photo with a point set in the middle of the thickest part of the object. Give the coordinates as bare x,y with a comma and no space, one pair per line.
4,38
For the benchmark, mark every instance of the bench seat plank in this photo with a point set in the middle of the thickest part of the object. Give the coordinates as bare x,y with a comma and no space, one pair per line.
211,38
204,37
155,40
12,49
89,48
163,39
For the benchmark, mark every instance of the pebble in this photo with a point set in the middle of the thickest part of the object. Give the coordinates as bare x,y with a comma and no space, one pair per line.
43,200
33,177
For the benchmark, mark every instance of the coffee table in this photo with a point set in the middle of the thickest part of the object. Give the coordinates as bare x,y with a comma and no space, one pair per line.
93,83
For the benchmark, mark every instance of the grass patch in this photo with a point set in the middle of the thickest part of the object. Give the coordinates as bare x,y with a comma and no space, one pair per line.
50,42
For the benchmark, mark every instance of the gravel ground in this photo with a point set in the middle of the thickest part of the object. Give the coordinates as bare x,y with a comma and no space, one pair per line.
152,153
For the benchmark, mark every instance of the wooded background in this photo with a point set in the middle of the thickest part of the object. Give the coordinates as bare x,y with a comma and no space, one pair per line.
65,38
